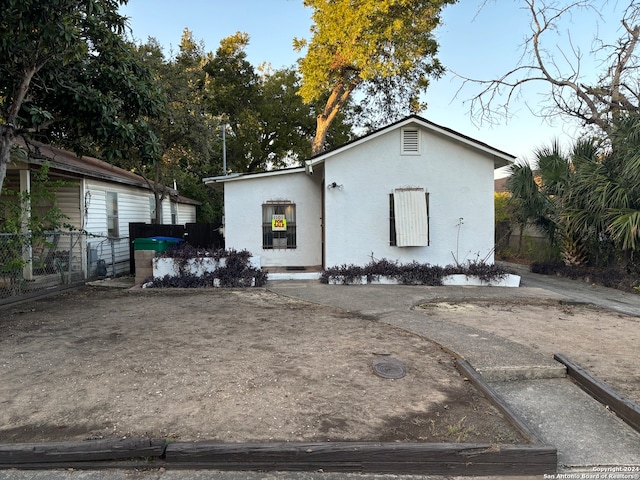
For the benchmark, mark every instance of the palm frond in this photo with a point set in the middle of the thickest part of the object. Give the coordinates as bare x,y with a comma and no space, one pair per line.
624,228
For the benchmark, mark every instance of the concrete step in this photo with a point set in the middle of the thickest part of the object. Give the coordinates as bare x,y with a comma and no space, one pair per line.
494,357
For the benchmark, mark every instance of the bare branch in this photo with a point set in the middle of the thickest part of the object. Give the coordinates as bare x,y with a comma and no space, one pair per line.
616,91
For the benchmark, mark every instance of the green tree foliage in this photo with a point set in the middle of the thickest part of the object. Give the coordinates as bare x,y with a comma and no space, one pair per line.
502,220
587,200
268,124
540,198
35,211
186,132
386,47
604,200
67,72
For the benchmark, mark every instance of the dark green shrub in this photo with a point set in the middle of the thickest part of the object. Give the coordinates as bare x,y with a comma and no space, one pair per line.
413,273
236,271
346,274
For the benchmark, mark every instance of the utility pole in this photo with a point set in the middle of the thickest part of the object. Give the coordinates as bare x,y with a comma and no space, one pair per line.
224,148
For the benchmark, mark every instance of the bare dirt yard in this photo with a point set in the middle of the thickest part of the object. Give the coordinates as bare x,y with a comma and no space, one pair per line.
605,343
226,365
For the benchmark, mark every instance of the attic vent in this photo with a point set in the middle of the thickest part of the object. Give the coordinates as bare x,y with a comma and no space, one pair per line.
410,141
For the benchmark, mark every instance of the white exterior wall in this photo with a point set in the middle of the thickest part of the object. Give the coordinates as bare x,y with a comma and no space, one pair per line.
243,217
186,213
133,206
166,212
459,181
68,201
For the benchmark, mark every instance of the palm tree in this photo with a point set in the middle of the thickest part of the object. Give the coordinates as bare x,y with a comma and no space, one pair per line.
624,211
527,201
607,191
587,202
602,205
538,196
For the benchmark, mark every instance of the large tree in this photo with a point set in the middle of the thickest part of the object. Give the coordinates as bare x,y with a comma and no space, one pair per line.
597,96
186,132
268,124
67,75
586,200
604,199
384,47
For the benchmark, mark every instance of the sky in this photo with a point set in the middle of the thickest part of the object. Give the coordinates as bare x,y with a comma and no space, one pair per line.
479,39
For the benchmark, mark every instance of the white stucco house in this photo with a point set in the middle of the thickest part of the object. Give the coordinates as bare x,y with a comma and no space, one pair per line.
411,191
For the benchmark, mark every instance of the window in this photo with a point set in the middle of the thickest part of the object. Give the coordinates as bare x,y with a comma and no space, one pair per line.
112,215
410,141
409,217
278,225
174,212
152,209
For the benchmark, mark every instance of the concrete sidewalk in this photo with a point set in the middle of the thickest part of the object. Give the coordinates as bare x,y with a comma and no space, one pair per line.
585,432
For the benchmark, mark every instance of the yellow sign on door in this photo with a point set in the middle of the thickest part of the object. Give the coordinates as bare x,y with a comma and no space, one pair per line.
278,223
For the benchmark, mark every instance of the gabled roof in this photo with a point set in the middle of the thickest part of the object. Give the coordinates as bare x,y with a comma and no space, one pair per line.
237,176
90,167
500,158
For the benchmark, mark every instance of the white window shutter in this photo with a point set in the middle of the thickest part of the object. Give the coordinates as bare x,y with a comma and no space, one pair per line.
412,223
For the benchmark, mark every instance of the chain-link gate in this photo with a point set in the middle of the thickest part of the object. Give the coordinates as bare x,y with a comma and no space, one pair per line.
33,262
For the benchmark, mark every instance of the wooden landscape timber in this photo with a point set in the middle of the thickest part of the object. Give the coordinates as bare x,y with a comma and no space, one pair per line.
365,457
621,406
68,453
478,381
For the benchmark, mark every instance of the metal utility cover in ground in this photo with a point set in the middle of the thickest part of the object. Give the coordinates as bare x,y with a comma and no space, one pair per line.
388,367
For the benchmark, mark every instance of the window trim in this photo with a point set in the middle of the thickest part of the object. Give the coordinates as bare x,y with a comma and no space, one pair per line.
279,207
173,209
111,200
152,210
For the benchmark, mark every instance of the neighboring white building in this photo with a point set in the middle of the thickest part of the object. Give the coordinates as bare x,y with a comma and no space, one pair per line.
100,199
412,191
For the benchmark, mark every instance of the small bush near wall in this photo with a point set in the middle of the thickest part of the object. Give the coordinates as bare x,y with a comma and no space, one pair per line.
626,280
231,269
413,273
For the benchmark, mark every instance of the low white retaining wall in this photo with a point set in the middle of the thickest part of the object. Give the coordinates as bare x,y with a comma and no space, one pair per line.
194,266
508,280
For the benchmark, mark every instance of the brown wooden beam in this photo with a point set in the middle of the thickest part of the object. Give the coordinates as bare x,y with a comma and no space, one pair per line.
621,406
367,457
479,382
69,452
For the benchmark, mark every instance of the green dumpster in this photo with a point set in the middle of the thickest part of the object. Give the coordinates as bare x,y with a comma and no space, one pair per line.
156,244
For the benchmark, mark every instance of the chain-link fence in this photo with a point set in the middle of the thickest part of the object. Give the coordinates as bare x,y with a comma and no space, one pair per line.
33,262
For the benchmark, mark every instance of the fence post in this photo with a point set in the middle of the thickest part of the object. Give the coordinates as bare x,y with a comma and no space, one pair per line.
70,257
113,257
27,256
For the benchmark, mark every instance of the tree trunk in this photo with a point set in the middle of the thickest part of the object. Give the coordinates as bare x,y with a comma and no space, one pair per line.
156,193
339,96
8,131
322,127
158,200
6,141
